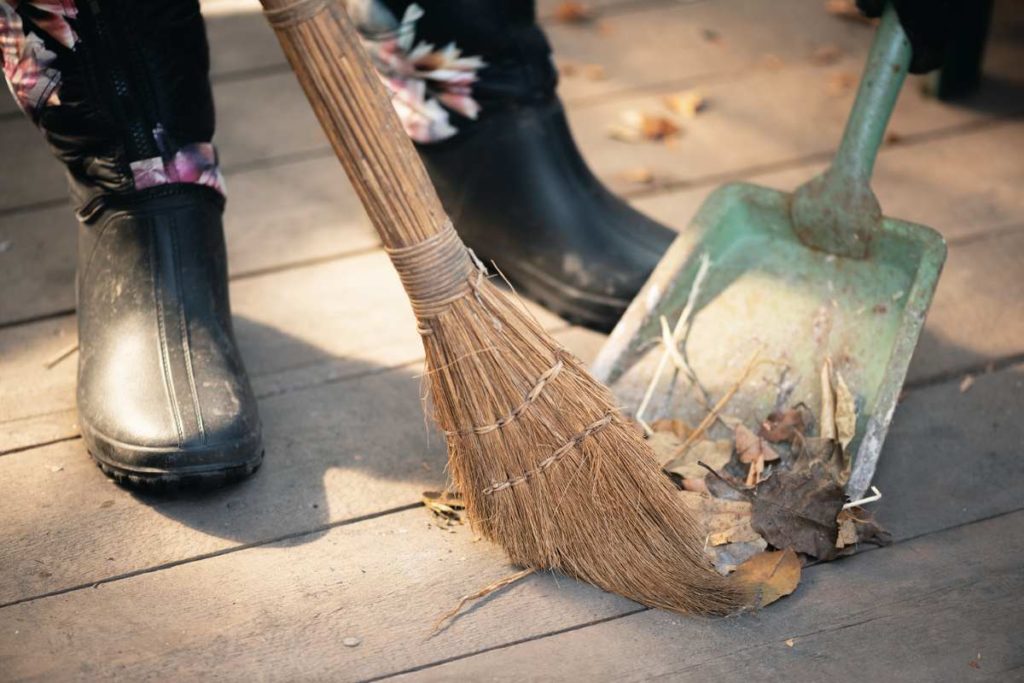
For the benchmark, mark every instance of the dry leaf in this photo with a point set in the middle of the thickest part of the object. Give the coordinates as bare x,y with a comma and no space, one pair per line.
673,426
771,61
966,383
857,525
593,72
847,9
750,447
846,412
798,508
725,521
771,575
637,126
847,531
639,175
714,454
825,55
573,12
711,35
754,472
784,426
695,485
827,415
687,104
839,83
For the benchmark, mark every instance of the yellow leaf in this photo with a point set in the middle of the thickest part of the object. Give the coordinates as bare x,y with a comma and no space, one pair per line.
687,104
771,575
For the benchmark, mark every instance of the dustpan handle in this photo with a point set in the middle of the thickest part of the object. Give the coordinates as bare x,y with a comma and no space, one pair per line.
837,212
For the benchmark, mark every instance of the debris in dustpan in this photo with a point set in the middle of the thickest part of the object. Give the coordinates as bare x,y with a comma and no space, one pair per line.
772,490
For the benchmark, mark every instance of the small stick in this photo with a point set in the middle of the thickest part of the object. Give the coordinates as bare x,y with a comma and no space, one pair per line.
682,325
482,593
711,417
60,355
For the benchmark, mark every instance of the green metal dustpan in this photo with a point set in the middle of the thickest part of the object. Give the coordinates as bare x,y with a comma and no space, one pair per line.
794,280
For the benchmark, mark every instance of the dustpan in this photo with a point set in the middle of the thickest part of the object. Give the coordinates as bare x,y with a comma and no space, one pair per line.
791,280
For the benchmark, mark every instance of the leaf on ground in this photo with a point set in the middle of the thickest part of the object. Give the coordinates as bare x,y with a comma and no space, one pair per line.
857,525
573,12
798,508
784,426
714,454
592,72
824,55
673,426
751,447
847,9
687,104
839,83
638,126
444,504
771,575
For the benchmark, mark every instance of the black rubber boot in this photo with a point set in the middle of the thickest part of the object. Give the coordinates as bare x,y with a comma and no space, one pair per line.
120,89
163,398
506,167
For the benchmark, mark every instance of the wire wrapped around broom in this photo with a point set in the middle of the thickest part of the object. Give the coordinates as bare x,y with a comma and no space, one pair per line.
548,468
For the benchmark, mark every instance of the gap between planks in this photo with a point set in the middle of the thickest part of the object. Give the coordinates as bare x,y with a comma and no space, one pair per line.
642,609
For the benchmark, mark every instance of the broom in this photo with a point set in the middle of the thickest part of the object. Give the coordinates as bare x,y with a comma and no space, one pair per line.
548,467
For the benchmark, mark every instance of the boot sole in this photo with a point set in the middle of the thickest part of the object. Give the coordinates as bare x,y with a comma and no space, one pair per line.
167,481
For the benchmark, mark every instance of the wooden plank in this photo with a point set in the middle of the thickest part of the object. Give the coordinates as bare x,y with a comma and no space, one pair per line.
288,604
331,318
920,611
303,327
304,209
921,182
357,447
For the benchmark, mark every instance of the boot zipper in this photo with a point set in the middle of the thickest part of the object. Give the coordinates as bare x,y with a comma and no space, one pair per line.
138,124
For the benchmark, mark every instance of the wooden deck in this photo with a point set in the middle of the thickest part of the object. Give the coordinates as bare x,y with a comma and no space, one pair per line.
264,580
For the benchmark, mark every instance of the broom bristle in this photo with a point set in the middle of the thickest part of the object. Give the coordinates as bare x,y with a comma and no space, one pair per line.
550,470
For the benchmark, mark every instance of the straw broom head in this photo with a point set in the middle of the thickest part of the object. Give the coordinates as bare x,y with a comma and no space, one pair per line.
548,468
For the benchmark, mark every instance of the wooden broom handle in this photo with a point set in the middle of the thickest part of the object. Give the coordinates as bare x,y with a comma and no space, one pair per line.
354,109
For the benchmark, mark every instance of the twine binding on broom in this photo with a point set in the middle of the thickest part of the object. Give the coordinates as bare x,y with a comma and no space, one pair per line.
295,13
436,273
547,462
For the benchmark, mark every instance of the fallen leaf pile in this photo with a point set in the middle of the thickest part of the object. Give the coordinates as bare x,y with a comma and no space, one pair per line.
772,499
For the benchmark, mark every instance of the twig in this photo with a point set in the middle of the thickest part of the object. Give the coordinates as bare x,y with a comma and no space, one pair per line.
875,495
60,355
482,593
682,325
711,417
